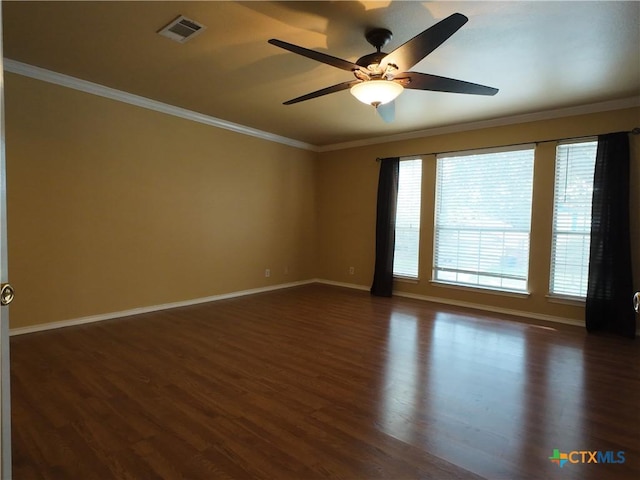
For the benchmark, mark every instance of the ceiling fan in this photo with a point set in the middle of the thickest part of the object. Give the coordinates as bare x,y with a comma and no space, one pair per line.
381,77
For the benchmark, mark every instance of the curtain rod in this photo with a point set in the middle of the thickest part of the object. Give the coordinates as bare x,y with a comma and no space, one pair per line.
634,131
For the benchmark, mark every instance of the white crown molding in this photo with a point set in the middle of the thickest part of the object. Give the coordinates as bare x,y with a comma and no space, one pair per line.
497,122
49,76
56,78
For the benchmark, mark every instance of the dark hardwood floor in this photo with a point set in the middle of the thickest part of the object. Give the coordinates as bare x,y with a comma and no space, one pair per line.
322,382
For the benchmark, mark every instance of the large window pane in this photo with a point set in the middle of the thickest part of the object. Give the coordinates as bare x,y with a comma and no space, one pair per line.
575,164
483,218
405,260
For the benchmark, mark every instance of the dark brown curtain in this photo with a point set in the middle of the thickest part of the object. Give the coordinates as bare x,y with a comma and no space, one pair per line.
610,285
386,227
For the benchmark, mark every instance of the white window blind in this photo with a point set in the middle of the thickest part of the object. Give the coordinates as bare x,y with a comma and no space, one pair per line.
483,218
575,164
407,247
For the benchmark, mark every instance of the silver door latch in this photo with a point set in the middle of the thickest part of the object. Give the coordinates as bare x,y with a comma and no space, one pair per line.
7,294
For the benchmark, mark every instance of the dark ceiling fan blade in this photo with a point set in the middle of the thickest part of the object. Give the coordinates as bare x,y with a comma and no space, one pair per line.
425,81
325,91
387,111
411,52
312,54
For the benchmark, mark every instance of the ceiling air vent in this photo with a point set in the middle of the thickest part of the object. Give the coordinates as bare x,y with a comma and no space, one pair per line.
182,29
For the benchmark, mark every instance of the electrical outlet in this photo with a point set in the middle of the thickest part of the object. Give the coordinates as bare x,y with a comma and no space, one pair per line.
286,270
267,272
352,270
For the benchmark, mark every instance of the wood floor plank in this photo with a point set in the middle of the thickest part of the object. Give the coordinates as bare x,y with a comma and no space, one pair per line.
322,382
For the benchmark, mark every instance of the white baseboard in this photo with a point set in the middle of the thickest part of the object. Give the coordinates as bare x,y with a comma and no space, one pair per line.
506,311
342,284
492,309
457,303
154,308
224,296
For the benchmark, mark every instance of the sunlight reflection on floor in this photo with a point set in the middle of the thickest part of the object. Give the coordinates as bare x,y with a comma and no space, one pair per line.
464,377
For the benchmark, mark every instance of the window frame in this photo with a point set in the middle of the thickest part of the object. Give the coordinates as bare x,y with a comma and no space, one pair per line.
482,287
402,276
554,296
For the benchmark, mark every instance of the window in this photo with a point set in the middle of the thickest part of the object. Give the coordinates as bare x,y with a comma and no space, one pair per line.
405,260
575,164
483,218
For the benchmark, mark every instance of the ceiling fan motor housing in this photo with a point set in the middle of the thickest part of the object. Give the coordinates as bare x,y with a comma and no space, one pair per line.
378,37
371,59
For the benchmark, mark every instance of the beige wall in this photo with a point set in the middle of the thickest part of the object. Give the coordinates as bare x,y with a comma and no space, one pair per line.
347,185
113,207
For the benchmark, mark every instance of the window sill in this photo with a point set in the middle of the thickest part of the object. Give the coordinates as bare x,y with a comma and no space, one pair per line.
566,300
413,280
504,293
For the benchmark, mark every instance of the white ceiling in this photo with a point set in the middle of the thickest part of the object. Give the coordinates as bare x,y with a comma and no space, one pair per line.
541,55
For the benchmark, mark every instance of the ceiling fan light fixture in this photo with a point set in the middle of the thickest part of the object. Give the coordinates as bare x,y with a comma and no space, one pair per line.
376,92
